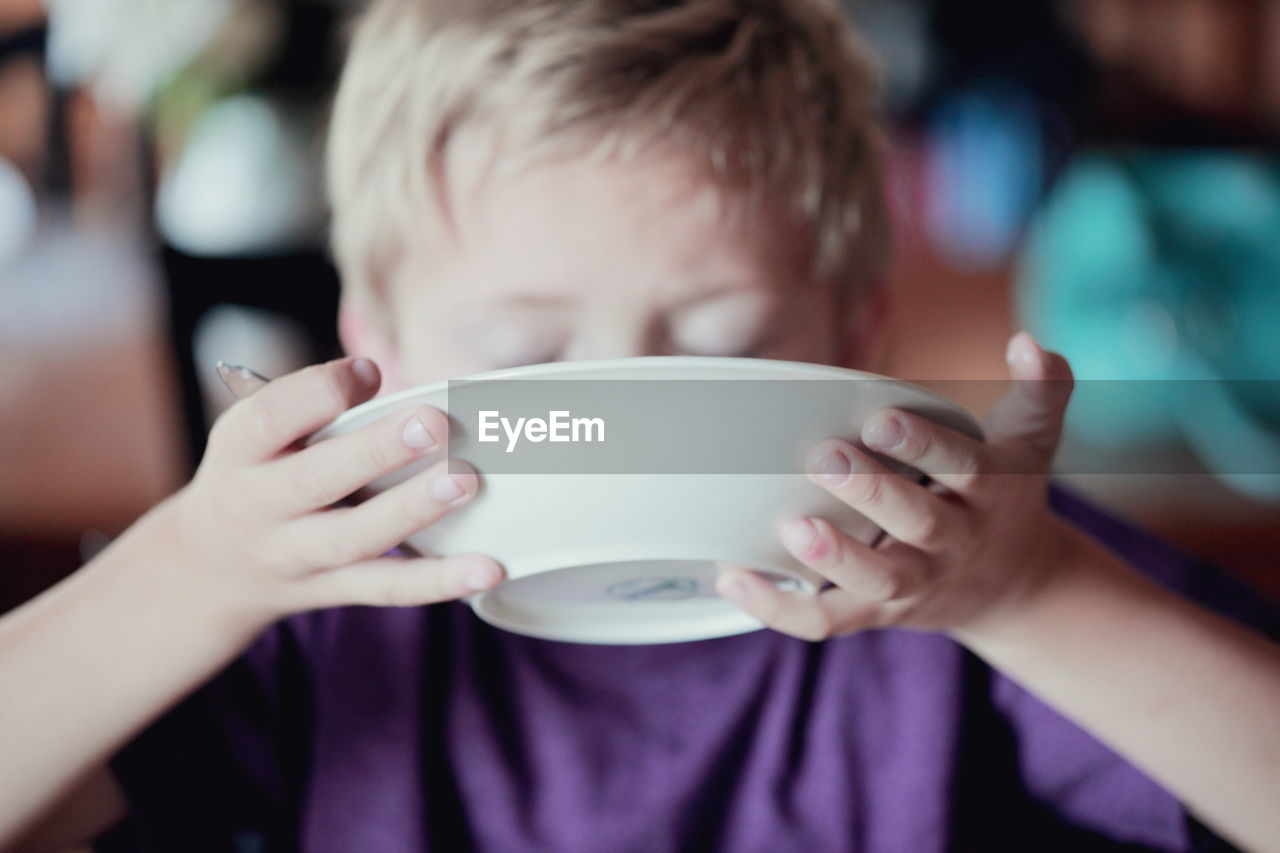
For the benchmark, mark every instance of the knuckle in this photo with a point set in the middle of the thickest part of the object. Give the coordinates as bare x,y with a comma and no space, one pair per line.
402,591
811,621
821,625
811,634
972,464
345,550
277,560
410,517
773,613
808,629
888,585
865,488
916,442
312,486
418,508
336,384
379,455
969,468
929,530
894,586
262,421
832,547
253,418
878,588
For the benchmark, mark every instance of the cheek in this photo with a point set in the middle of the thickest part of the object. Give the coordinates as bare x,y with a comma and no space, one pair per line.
392,379
431,351
422,361
420,356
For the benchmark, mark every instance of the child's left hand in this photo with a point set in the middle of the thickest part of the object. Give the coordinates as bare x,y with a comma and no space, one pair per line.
949,560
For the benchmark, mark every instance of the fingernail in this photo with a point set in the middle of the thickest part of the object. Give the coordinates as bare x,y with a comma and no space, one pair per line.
798,534
365,371
240,381
884,434
1022,349
830,465
734,590
482,579
417,436
446,488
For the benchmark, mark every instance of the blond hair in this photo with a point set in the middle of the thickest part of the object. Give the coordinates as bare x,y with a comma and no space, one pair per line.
773,100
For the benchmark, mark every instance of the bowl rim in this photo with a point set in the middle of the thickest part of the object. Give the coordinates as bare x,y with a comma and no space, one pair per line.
536,371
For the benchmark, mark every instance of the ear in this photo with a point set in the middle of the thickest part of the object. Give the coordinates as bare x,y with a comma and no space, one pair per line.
361,336
868,331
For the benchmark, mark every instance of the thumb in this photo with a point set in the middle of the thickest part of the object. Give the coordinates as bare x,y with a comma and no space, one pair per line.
1030,413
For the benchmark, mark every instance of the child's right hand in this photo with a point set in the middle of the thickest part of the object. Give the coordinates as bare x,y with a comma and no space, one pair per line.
248,541
254,528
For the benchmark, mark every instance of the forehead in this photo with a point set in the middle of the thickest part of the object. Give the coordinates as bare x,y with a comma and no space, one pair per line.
562,225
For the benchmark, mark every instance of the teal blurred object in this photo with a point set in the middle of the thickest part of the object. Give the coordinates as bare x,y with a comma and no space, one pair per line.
1162,269
984,173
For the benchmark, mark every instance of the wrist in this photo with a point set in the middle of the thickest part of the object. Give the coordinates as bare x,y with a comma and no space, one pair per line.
1068,564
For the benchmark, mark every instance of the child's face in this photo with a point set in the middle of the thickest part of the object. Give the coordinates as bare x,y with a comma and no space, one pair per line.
599,260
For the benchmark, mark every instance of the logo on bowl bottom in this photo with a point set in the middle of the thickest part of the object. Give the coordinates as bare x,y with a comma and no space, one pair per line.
653,589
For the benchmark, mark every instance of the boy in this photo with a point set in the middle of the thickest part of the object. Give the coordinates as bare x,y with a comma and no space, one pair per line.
516,182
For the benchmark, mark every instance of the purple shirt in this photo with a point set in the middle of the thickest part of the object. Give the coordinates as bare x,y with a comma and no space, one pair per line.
364,730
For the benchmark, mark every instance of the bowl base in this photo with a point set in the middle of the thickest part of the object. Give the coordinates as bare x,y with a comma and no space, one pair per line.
624,603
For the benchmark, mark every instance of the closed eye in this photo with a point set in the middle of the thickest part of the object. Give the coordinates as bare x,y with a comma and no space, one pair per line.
738,324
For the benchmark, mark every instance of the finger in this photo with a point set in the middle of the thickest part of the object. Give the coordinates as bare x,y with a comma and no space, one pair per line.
265,423
331,470
1030,413
806,615
394,582
352,534
901,507
954,460
874,575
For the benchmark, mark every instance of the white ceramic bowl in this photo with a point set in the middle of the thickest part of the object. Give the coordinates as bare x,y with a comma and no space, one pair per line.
623,548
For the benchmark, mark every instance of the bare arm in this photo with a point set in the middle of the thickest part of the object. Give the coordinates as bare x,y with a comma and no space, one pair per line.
92,808
87,664
1191,699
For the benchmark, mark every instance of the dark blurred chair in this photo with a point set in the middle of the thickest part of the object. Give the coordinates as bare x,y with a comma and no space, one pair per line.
302,286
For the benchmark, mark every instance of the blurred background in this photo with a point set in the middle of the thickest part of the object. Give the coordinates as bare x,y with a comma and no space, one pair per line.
1102,172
